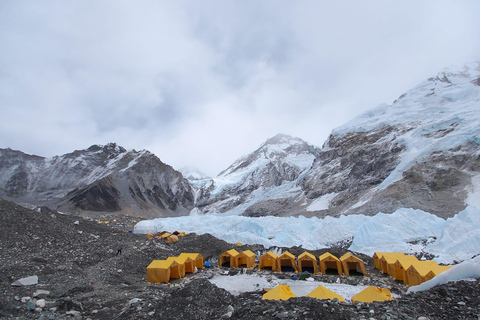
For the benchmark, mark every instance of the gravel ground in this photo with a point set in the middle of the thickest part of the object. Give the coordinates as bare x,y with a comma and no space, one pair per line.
76,263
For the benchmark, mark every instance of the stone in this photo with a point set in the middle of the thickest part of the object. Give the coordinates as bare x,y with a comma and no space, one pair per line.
40,303
31,306
28,281
25,299
40,293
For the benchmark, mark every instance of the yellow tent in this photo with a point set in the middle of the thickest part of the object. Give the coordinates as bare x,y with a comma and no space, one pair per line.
162,270
307,261
186,264
164,235
323,293
351,262
245,259
227,259
328,261
268,260
371,294
376,259
422,271
387,262
238,244
196,257
172,238
280,292
286,261
401,265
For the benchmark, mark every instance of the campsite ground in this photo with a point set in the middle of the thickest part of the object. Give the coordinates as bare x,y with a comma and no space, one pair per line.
75,260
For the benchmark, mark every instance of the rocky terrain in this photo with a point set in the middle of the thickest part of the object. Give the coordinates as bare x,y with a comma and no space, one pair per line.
97,180
81,277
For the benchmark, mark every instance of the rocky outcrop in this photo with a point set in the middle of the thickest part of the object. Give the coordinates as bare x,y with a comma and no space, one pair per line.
100,179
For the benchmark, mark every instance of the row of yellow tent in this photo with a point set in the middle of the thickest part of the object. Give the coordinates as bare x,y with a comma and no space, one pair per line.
170,237
369,294
306,260
407,268
173,267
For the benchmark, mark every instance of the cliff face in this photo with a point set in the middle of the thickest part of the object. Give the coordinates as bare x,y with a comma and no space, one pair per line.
98,179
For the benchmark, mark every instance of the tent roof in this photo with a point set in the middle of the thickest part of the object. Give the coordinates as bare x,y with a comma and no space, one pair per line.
269,254
162,264
350,257
193,256
393,257
247,253
181,259
371,294
328,255
323,293
307,255
280,292
423,267
406,261
286,255
231,252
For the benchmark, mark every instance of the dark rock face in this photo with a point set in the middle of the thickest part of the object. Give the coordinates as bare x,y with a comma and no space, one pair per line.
100,179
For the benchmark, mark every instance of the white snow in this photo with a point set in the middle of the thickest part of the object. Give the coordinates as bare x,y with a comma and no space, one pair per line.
322,203
473,198
427,110
469,269
240,283
405,230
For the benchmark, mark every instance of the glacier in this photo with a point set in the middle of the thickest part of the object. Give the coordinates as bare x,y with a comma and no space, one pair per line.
405,230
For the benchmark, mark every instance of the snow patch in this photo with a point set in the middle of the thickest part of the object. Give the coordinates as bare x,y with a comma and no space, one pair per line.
322,203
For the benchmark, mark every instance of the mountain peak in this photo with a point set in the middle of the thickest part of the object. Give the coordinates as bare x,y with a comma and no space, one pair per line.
282,138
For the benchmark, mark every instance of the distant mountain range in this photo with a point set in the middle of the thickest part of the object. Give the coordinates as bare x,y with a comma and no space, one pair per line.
420,152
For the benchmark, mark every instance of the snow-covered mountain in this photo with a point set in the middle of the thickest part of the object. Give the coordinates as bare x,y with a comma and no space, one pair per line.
420,152
192,173
267,174
99,179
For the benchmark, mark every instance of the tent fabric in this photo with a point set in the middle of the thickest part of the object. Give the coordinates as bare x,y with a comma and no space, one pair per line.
162,270
280,292
351,262
172,238
387,262
307,260
288,260
372,294
323,293
376,259
245,259
329,261
238,244
401,265
268,260
196,257
418,272
228,256
165,235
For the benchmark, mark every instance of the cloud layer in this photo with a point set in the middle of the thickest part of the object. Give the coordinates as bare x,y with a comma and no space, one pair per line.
202,83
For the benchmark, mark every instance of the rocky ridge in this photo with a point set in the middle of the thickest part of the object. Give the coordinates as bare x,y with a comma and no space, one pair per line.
97,180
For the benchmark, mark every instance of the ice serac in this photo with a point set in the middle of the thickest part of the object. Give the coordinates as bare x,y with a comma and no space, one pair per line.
420,152
100,179
260,183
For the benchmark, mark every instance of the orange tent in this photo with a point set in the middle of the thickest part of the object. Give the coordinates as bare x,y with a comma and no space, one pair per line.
228,259
268,260
196,257
307,261
286,261
245,259
352,263
328,261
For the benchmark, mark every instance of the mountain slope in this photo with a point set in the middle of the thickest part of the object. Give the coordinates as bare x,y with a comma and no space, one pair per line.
262,175
421,152
99,179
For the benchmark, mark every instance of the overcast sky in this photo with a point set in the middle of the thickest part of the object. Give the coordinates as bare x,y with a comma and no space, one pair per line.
202,83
